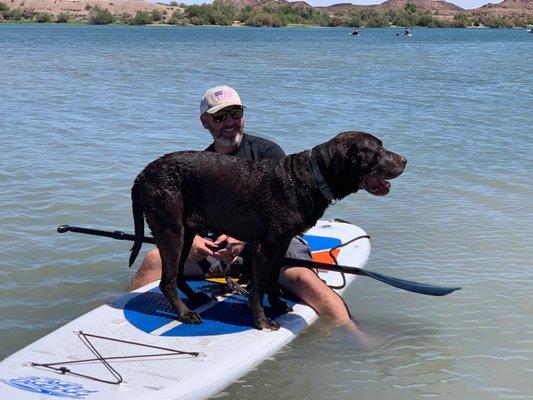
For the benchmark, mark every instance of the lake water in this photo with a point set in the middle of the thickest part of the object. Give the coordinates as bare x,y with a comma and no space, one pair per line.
84,108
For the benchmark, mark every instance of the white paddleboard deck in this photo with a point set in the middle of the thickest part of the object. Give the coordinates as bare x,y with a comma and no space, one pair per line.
226,343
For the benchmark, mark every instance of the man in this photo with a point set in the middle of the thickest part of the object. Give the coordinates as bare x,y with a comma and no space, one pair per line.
222,113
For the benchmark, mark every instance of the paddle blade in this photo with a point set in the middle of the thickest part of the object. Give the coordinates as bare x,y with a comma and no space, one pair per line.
416,287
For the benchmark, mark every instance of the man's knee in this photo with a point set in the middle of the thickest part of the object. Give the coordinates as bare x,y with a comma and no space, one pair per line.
299,277
149,271
152,260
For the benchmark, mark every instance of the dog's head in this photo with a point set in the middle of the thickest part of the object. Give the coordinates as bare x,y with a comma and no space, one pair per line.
358,160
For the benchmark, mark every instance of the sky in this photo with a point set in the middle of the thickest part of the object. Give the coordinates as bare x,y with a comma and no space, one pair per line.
467,4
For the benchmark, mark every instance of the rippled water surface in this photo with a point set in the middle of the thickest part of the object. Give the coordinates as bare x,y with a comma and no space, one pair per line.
83,109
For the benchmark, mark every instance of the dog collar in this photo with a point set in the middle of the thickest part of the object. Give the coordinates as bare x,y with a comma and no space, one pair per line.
322,184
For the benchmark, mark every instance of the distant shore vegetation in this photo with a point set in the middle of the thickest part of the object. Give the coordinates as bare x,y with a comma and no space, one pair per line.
267,14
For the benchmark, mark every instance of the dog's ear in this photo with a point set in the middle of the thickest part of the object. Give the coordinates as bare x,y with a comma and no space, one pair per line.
342,149
337,161
351,152
364,151
338,152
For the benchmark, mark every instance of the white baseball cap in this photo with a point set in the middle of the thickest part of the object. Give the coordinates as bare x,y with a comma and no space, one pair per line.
218,98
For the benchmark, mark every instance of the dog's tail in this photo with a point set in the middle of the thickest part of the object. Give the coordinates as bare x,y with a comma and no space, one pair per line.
138,220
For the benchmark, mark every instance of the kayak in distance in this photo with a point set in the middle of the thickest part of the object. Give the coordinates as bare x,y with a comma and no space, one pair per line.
406,32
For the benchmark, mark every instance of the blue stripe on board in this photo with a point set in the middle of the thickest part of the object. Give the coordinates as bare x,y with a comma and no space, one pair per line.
319,243
151,311
230,316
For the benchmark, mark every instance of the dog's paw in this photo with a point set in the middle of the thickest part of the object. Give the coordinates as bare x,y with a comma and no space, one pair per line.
266,323
190,317
279,305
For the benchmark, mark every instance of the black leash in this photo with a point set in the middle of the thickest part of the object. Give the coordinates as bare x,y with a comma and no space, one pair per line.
336,262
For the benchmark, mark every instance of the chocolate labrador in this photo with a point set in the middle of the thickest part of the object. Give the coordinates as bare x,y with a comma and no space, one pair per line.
265,203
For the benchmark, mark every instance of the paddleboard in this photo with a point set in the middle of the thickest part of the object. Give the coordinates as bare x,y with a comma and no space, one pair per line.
133,347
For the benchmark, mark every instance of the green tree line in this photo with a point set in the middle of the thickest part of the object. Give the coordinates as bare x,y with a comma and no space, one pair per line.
269,13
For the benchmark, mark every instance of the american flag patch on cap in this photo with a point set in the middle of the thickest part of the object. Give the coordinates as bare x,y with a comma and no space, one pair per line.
223,94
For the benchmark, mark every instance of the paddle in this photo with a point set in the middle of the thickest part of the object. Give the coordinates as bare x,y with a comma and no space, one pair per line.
119,235
416,287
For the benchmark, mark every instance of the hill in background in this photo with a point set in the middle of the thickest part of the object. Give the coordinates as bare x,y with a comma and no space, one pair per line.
511,8
430,13
82,8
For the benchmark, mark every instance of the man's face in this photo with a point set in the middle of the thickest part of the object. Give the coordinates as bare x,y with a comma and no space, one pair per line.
226,126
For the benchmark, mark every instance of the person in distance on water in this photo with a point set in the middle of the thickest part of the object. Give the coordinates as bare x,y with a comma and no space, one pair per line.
222,114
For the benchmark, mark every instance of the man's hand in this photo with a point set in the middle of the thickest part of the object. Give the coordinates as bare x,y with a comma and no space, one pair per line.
230,249
201,248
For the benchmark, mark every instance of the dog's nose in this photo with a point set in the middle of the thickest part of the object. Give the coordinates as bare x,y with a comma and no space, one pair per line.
404,161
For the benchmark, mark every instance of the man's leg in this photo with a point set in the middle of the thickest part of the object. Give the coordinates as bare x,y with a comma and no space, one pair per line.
149,271
307,286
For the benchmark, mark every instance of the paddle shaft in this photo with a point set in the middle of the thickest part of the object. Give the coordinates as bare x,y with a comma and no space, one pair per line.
119,235
416,287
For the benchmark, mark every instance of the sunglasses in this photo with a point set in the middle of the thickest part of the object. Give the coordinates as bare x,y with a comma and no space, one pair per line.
222,115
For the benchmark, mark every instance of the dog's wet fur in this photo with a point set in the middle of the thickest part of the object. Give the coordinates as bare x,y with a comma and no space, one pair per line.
265,203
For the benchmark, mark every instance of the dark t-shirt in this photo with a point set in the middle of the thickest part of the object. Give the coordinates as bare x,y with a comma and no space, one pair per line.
255,148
